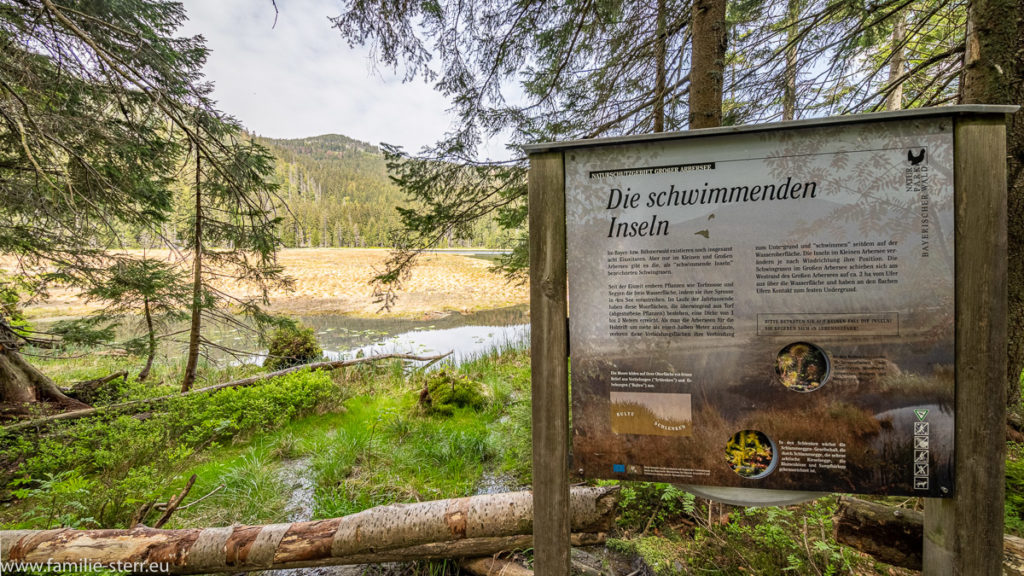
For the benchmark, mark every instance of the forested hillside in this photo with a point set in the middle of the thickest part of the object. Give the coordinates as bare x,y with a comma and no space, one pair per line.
336,192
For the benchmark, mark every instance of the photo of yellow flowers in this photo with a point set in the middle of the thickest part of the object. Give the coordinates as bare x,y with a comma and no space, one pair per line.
751,454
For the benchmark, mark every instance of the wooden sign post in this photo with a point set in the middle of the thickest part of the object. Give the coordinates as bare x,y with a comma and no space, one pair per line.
549,353
960,471
964,534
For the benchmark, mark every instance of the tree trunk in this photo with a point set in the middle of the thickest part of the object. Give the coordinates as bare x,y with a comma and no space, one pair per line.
660,63
895,535
790,73
897,63
892,535
197,289
151,352
707,63
1015,214
993,74
493,567
21,384
463,527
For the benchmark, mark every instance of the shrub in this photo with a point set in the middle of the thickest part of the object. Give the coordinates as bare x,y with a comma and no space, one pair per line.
292,346
1014,510
444,392
128,461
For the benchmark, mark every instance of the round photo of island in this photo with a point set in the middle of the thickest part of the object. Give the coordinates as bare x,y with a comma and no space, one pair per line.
751,454
802,367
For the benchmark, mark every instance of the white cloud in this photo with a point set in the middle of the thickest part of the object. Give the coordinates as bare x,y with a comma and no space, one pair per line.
300,78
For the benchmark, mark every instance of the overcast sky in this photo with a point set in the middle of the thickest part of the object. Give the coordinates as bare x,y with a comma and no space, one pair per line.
299,78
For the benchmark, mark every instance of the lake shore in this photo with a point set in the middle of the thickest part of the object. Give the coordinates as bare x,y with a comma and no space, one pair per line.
337,281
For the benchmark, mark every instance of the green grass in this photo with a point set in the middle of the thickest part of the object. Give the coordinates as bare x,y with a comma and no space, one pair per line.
381,447
128,460
385,448
360,435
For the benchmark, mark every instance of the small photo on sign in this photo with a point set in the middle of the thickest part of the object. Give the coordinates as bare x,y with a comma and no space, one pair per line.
802,367
651,413
751,454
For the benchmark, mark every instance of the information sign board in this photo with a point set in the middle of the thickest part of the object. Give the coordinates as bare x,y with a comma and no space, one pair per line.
766,310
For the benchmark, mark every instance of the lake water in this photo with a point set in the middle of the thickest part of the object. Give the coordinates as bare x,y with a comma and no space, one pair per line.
465,335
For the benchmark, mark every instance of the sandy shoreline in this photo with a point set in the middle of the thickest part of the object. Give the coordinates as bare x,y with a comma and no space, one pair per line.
336,281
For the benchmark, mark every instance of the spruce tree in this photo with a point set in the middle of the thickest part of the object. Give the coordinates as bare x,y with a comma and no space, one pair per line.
99,104
153,289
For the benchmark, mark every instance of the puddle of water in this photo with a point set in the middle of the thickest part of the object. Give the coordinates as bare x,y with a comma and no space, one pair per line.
296,475
497,483
489,255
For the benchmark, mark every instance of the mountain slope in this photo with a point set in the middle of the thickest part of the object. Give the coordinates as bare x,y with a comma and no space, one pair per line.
337,193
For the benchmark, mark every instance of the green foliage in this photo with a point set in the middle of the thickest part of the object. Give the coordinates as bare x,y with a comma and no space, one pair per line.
12,289
664,557
775,540
105,109
506,381
292,346
84,147
1014,512
126,461
155,290
254,488
674,533
103,102
447,391
646,505
385,451
196,421
133,284
60,499
84,331
227,221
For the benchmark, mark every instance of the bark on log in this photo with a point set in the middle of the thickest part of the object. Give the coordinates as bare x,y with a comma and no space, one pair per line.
97,382
87,390
76,414
895,535
892,535
22,384
456,528
493,567
1013,556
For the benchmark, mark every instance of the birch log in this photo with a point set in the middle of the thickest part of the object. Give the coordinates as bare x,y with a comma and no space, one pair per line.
494,567
463,527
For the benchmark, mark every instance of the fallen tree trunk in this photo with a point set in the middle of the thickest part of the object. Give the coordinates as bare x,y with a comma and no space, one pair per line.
464,527
493,567
895,535
76,414
87,390
892,535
